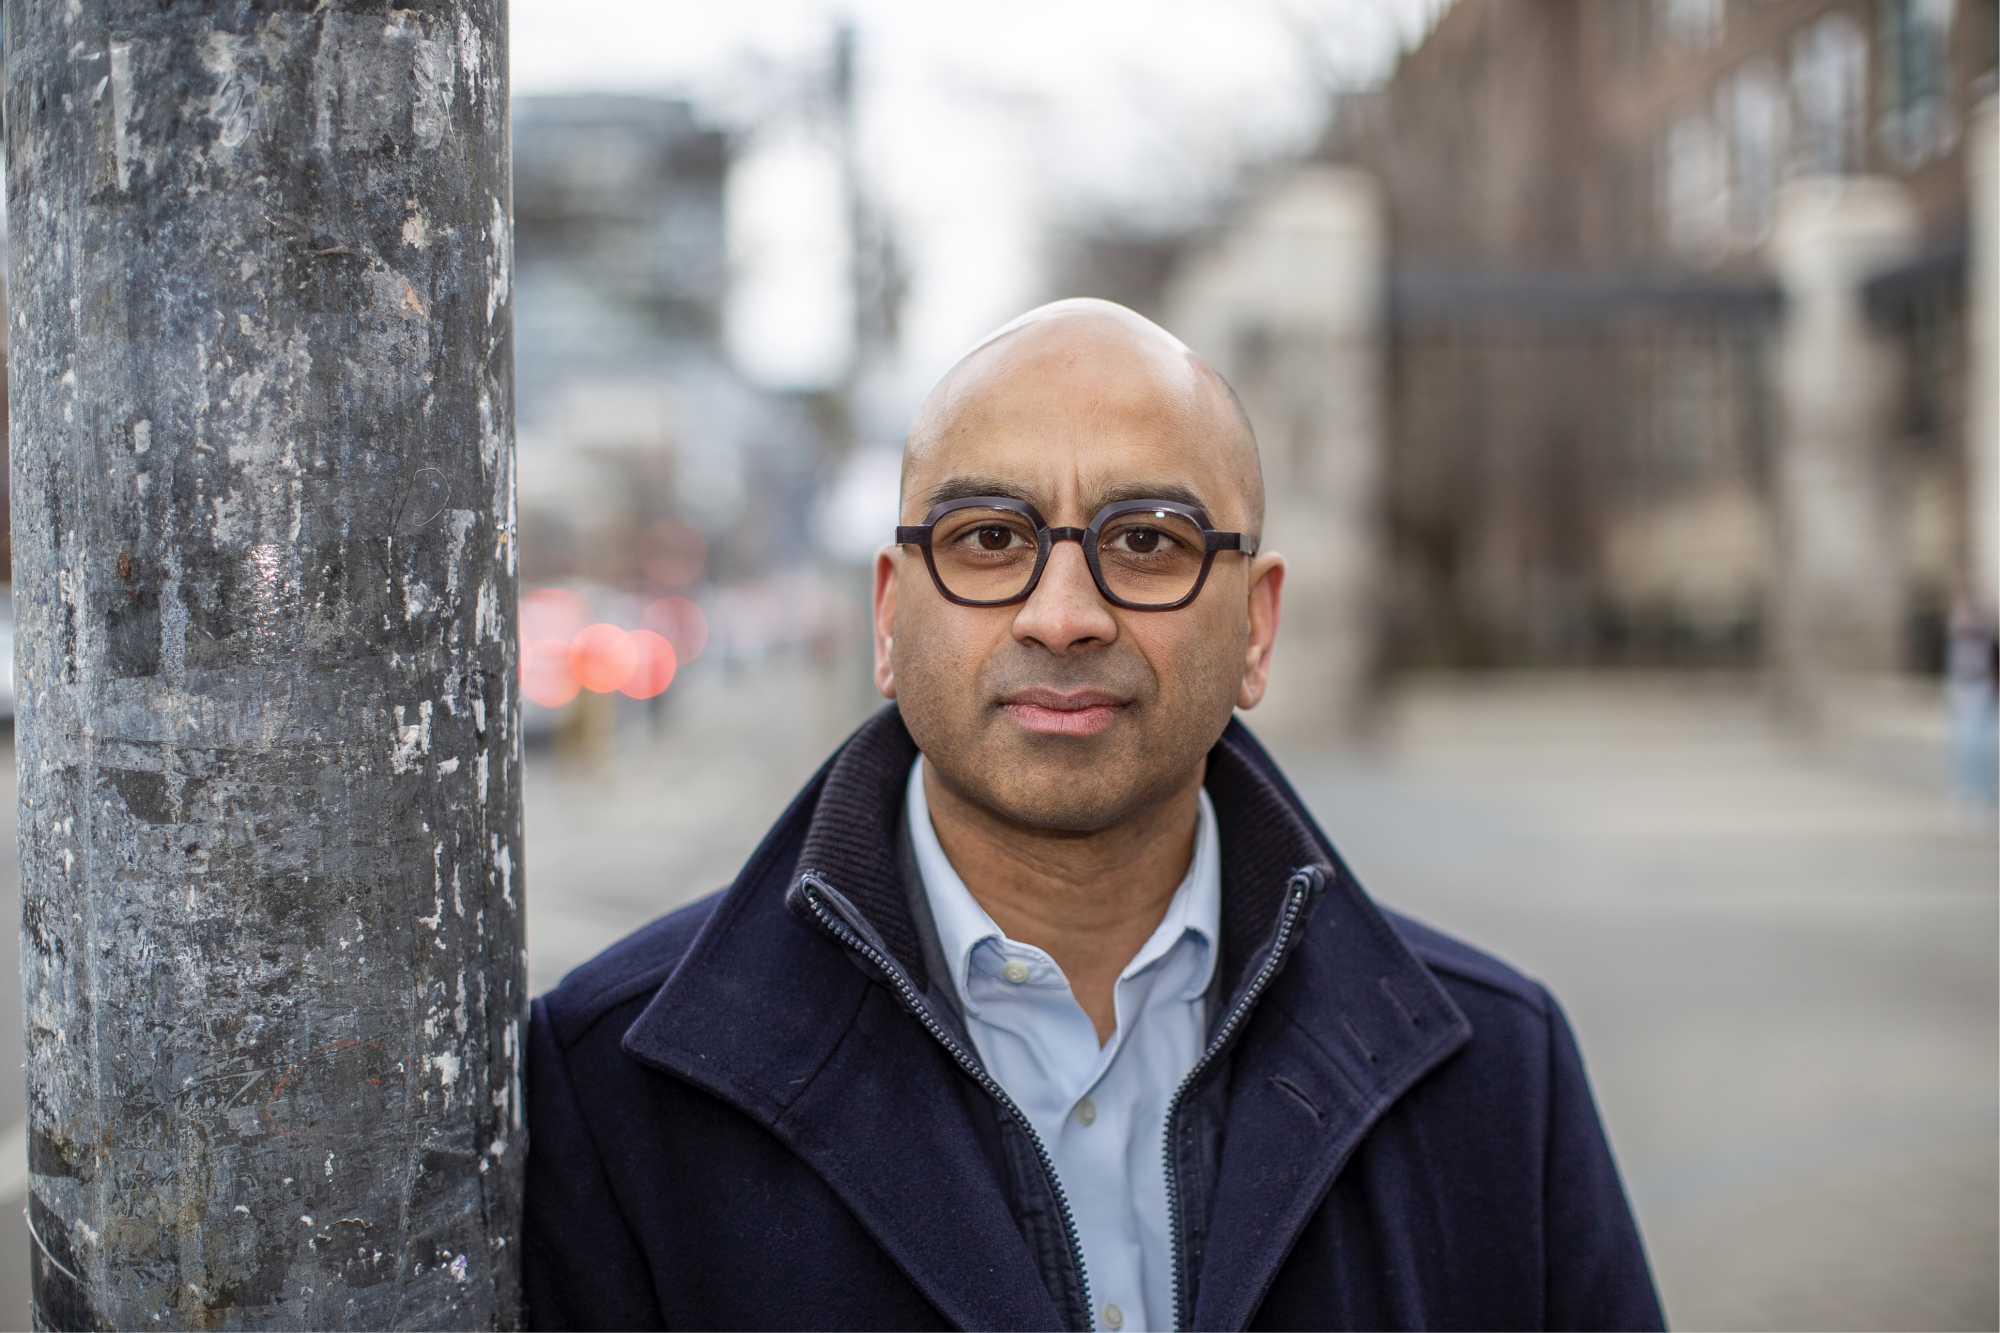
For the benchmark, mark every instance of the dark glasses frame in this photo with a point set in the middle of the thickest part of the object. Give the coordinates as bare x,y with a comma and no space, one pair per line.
1046,538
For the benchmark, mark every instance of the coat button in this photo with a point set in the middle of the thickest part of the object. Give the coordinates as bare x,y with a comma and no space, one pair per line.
1086,1111
1014,970
1113,1316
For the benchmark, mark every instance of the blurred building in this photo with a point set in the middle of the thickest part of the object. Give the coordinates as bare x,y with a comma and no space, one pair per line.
1677,346
631,418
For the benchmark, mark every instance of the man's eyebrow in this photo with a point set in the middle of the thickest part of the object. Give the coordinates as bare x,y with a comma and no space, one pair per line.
964,488
1148,490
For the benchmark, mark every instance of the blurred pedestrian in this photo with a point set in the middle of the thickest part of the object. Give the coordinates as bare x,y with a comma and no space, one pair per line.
1972,697
1047,1004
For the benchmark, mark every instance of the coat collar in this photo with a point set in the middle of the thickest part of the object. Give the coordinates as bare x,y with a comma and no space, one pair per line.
770,1014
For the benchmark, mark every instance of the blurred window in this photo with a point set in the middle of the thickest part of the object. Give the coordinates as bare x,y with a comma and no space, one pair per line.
1693,186
1626,192
1629,32
1750,105
1695,24
1829,96
1915,68
1688,395
1929,381
1746,354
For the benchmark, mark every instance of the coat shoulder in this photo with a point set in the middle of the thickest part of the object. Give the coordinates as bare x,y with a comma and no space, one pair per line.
1458,965
629,970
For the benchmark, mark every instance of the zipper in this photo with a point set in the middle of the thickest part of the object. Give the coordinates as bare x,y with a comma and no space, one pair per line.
1299,888
837,926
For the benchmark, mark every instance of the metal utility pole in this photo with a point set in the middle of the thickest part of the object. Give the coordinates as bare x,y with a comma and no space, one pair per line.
264,571
875,276
837,422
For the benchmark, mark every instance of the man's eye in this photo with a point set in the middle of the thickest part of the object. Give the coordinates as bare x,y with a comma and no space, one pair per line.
1143,541
992,538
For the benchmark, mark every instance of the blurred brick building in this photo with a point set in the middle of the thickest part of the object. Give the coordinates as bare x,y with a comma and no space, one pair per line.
1585,405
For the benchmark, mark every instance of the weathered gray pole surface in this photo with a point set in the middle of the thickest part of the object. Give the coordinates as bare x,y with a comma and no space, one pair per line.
264,572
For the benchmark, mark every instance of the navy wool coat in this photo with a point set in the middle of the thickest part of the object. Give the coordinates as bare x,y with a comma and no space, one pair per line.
762,1111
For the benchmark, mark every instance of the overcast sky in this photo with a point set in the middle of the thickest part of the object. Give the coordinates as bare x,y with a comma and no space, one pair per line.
982,125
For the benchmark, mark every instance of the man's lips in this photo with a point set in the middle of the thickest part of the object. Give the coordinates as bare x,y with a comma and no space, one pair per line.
1055,713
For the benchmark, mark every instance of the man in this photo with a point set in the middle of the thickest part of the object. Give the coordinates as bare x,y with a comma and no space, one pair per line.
1047,1004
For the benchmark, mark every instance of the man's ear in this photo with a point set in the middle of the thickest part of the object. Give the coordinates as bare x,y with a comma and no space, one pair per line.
1267,582
885,619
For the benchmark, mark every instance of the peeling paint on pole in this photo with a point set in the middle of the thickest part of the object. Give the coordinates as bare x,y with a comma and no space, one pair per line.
264,574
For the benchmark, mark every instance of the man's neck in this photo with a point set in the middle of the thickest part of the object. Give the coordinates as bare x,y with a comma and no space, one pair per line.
1089,900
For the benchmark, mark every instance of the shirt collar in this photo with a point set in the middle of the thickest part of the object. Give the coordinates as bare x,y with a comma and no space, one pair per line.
963,925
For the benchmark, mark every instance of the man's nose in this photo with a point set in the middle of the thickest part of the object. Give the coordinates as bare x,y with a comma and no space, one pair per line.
1065,610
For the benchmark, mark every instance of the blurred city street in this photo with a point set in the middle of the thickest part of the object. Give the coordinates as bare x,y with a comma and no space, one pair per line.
1780,957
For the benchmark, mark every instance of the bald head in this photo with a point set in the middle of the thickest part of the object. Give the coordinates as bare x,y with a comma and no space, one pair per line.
1100,378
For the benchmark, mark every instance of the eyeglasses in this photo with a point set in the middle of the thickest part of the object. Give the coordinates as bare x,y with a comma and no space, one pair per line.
1146,555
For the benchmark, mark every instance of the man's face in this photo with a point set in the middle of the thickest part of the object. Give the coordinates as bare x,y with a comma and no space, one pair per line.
1065,711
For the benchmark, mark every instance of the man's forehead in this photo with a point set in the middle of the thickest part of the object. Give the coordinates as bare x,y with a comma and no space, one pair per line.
1085,465
1063,376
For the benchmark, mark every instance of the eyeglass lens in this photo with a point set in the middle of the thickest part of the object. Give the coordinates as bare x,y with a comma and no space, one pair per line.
1150,557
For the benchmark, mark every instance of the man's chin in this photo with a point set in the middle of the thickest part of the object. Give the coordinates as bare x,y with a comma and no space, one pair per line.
1048,780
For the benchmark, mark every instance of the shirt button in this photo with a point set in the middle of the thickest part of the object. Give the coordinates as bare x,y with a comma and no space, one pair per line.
1014,970
1113,1316
1086,1111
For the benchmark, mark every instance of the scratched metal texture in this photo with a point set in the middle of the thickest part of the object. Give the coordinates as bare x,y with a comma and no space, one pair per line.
264,534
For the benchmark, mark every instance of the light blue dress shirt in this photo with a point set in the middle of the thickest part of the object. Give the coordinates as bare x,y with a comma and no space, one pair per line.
1099,1110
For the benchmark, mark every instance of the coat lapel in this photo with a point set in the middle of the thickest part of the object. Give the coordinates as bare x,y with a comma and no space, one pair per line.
772,1016
1352,1023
